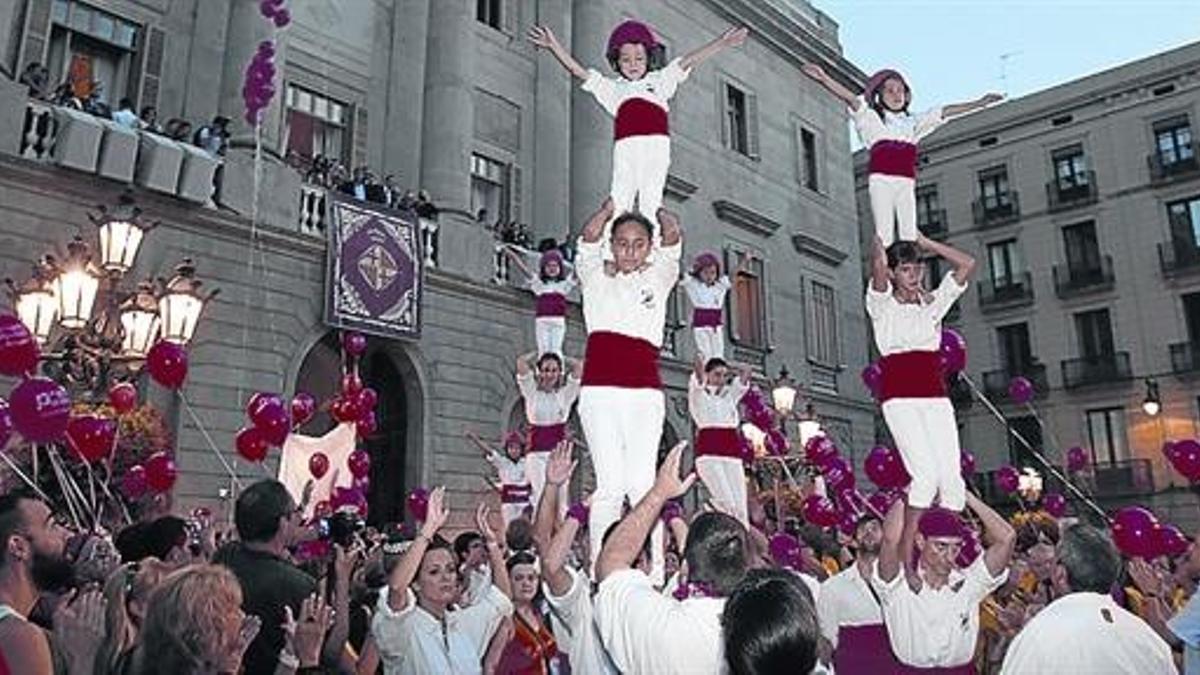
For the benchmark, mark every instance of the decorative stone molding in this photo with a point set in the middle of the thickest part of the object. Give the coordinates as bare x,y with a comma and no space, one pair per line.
815,248
743,217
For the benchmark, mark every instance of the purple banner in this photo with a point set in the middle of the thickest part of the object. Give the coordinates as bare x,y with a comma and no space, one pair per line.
374,272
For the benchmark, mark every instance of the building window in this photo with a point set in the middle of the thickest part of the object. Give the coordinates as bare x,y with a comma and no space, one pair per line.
1191,316
1083,250
808,157
822,325
92,50
488,187
993,189
316,124
489,11
1016,354
1173,141
749,306
1027,427
929,213
1184,219
740,127
1070,169
1094,333
1005,263
1107,435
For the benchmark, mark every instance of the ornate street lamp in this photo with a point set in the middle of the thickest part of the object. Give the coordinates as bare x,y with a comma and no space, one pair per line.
35,302
121,231
139,321
1152,404
783,395
75,285
180,304
809,424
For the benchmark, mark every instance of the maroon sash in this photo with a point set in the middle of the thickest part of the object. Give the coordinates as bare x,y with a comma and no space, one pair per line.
864,650
515,494
894,158
911,375
551,304
718,442
544,438
617,360
707,318
640,117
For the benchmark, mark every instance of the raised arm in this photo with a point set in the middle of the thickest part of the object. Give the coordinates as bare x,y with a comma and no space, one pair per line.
964,264
734,37
576,366
488,450
544,38
525,363
626,540
518,260
491,539
836,88
889,549
594,229
554,547
969,106
698,367
402,577
1001,536
879,267
668,223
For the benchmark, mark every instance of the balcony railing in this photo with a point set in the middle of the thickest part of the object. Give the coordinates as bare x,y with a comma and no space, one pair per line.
1004,209
1064,193
313,210
1162,171
38,131
1006,294
932,224
1074,279
995,382
1093,370
1179,256
1124,478
1185,357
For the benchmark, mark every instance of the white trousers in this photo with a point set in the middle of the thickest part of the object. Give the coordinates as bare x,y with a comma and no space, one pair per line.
511,512
710,341
893,200
535,473
926,435
549,332
725,479
623,427
639,171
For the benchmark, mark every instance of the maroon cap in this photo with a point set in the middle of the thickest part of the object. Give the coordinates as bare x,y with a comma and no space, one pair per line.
630,32
876,81
940,522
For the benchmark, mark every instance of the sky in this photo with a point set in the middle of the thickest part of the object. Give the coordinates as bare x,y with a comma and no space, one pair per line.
955,50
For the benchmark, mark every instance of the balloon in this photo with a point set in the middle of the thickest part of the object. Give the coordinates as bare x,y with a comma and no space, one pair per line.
1168,450
1020,390
318,465
264,407
354,343
953,351
362,484
282,18
839,475
670,511
92,438
19,351
267,8
168,364
133,483
41,409
969,551
6,423
1077,459
418,503
1055,504
160,472
276,427
820,511
1171,541
366,425
966,463
1185,457
777,441
367,399
322,509
123,397
820,449
872,377
344,410
304,406
359,463
784,549
349,499
351,384
885,468
1007,479
252,444
848,523
1134,532
881,502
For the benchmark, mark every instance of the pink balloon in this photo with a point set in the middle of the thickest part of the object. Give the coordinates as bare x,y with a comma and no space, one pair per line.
123,397
359,463
304,406
1134,532
282,18
1008,479
351,384
362,484
367,399
6,423
1171,541
354,343
264,408
268,8
160,472
418,503
318,465
848,523
41,409
885,468
276,427
820,511
970,550
92,438
880,502
167,363
1020,390
19,351
1055,504
349,498
820,449
343,410
966,463
872,377
133,483
1077,459
252,444
839,475
784,549
1185,457
367,425
953,351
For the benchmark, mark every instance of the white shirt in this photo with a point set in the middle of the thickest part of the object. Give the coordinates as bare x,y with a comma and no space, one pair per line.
127,118
337,445
905,327
562,287
511,473
846,600
658,86
1087,633
646,632
1186,626
479,580
705,296
634,304
544,408
894,126
572,617
413,641
719,410
936,627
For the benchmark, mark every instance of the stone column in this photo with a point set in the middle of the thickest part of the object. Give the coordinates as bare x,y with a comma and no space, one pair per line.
552,120
247,28
401,83
591,140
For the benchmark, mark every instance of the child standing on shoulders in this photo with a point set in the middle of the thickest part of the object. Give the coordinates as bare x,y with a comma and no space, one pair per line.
706,289
638,100
550,286
885,125
510,465
713,403
549,391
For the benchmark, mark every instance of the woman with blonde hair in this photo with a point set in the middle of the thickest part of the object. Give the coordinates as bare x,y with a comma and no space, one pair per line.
126,591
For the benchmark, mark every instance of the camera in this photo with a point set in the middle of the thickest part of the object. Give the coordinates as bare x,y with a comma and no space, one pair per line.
341,528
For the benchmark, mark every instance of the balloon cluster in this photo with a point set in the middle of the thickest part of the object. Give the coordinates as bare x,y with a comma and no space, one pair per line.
156,475
275,11
1138,533
885,468
19,351
1185,457
757,412
259,86
952,358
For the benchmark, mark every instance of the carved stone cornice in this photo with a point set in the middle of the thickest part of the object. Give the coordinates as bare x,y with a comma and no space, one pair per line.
745,218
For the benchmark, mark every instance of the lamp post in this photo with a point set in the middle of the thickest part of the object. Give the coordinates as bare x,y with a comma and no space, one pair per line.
1152,404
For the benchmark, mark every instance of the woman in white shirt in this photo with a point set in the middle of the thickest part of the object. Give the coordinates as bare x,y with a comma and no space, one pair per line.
416,628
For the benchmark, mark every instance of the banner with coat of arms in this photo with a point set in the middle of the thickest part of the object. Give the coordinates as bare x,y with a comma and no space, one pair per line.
374,277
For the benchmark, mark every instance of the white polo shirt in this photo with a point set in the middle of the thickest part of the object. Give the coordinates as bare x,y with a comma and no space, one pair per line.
572,618
905,327
634,304
893,126
646,632
562,287
1087,633
544,408
704,296
846,600
719,410
413,641
511,473
936,628
657,87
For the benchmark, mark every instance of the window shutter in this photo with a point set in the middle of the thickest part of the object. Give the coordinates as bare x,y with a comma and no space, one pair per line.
514,193
768,317
360,135
732,300
752,125
37,34
723,106
151,55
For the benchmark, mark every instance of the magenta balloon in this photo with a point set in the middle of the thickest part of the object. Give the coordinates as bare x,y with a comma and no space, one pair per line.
268,8
820,449
264,406
1008,479
784,548
1171,541
1134,532
19,351
418,503
839,475
1077,459
160,472
354,342
359,463
318,465
167,363
133,483
304,406
1185,457
885,469
6,423
872,377
282,18
276,427
40,409
953,351
966,463
1055,504
123,397
252,444
777,441
1020,390
91,437
880,502
820,511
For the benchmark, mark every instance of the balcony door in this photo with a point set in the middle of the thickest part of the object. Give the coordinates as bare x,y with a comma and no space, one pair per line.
1015,352
1094,335
1083,250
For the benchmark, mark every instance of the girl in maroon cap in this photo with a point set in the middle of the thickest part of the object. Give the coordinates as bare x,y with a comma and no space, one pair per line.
885,125
550,286
706,289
